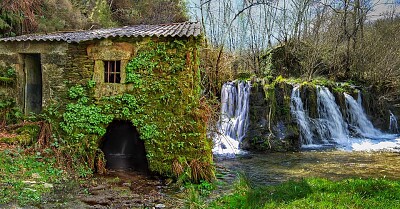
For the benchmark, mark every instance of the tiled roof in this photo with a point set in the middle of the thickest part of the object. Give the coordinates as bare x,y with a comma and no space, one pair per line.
185,29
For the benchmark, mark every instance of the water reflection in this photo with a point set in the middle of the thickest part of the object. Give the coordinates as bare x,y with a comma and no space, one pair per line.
274,168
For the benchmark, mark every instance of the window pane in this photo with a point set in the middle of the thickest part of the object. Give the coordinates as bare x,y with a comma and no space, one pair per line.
112,71
118,78
105,76
111,80
118,65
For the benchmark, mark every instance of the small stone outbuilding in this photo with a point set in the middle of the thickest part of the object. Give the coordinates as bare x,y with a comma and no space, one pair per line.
144,77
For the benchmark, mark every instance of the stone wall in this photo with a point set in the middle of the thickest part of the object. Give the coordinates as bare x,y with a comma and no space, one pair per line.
164,104
53,59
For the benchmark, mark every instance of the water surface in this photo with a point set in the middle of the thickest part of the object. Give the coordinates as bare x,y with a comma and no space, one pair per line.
274,168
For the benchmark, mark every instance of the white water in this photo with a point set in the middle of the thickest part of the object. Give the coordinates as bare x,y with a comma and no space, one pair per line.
234,118
331,124
355,132
331,128
393,127
369,138
303,121
359,99
358,120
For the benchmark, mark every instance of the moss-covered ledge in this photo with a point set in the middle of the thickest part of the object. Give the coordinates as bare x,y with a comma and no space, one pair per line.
272,126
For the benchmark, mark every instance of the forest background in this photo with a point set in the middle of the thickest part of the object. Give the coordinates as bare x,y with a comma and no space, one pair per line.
341,40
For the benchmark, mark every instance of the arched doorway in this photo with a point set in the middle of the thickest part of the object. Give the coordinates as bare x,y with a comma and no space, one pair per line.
123,148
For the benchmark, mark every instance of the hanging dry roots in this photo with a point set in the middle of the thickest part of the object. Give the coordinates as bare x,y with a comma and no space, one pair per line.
177,168
58,156
100,162
201,171
3,122
44,135
29,9
64,160
206,112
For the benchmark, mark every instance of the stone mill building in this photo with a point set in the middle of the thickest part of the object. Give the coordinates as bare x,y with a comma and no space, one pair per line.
134,91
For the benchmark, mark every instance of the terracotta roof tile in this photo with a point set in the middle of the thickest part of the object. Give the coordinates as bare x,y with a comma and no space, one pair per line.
184,29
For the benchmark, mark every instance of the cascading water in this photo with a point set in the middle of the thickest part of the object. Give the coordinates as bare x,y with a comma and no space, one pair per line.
331,128
359,99
328,128
303,121
331,125
393,127
357,119
234,118
371,138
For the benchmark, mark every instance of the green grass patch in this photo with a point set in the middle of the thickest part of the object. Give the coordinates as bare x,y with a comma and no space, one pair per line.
25,178
314,193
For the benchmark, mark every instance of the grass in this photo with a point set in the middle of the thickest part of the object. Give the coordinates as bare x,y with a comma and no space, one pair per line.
24,178
313,193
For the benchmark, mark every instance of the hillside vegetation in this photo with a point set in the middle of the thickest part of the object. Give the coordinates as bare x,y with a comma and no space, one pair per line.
32,16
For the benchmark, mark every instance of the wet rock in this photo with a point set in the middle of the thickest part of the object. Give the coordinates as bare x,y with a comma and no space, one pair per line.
126,184
158,206
123,189
36,176
99,187
47,185
96,201
168,181
29,182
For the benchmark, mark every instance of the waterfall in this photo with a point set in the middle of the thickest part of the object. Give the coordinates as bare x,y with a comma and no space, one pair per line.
355,132
297,110
234,118
331,124
393,128
359,99
358,120
328,128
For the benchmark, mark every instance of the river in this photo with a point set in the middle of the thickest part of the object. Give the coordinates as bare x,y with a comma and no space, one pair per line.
274,168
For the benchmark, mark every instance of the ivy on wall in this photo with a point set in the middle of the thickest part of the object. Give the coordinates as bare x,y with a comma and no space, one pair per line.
9,113
162,102
7,76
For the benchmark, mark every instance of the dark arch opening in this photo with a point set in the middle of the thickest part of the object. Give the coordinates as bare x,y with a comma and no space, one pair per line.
123,149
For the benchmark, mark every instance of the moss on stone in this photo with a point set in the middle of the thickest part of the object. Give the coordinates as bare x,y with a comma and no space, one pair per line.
161,97
25,135
244,76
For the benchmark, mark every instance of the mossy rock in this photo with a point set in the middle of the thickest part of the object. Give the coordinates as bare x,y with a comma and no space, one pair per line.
25,135
271,126
23,140
31,130
244,76
6,81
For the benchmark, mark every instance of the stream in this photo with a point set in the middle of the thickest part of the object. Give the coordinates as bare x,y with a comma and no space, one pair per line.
127,190
275,168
